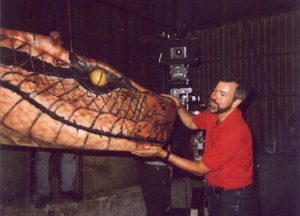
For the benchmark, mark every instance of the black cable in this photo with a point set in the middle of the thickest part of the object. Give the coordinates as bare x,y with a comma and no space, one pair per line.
70,27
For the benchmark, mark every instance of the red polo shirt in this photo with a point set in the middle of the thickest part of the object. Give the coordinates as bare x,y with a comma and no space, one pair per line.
228,150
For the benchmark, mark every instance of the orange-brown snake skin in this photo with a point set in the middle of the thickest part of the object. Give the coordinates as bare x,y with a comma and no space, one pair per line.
48,100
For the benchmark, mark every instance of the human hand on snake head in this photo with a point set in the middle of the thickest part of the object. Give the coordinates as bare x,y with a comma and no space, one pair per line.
175,99
149,151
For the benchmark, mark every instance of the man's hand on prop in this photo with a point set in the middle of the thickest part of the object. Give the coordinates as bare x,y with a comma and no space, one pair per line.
175,99
149,151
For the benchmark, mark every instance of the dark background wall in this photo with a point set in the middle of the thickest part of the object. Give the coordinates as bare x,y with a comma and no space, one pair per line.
259,39
127,33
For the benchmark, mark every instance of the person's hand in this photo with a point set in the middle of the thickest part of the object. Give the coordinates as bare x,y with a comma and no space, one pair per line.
148,151
175,99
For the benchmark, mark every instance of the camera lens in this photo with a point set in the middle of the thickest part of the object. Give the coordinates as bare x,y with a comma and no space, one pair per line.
178,52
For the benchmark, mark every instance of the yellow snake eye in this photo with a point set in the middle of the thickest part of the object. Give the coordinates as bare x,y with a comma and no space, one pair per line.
98,78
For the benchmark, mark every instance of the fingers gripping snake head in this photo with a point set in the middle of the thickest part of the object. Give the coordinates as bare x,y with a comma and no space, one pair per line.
51,97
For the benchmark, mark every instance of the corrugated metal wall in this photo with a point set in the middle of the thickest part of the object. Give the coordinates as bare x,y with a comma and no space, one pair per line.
266,52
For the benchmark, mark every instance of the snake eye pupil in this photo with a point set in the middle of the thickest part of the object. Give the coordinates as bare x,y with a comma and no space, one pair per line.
98,78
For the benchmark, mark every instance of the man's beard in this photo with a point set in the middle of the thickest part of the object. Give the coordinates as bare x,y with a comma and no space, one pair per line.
213,107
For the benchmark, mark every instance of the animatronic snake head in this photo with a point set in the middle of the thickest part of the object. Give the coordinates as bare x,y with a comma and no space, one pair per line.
51,97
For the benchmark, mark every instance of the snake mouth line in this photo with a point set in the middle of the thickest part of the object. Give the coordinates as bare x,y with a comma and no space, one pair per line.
25,96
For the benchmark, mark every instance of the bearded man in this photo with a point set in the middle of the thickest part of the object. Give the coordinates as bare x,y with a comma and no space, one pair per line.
227,161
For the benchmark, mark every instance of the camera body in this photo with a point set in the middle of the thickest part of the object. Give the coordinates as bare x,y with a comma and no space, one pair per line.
178,51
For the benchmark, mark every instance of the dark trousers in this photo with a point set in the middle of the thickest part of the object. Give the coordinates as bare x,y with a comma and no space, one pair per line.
156,188
239,202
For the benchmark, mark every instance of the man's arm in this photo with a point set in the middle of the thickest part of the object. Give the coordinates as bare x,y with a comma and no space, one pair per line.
196,168
185,116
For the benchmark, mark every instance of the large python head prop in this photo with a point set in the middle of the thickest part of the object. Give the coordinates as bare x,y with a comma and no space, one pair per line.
51,97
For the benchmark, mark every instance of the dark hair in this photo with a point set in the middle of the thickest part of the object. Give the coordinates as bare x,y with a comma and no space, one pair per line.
241,90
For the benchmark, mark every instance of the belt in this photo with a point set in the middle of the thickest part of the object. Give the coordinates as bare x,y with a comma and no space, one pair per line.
220,189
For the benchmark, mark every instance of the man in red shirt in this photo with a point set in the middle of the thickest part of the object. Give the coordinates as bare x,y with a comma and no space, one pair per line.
227,161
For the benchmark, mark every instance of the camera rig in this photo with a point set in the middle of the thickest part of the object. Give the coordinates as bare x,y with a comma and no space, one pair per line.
178,55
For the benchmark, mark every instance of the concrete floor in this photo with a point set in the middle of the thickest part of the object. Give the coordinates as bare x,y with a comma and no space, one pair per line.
123,202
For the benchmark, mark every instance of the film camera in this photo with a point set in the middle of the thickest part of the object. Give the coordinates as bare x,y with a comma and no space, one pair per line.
179,54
